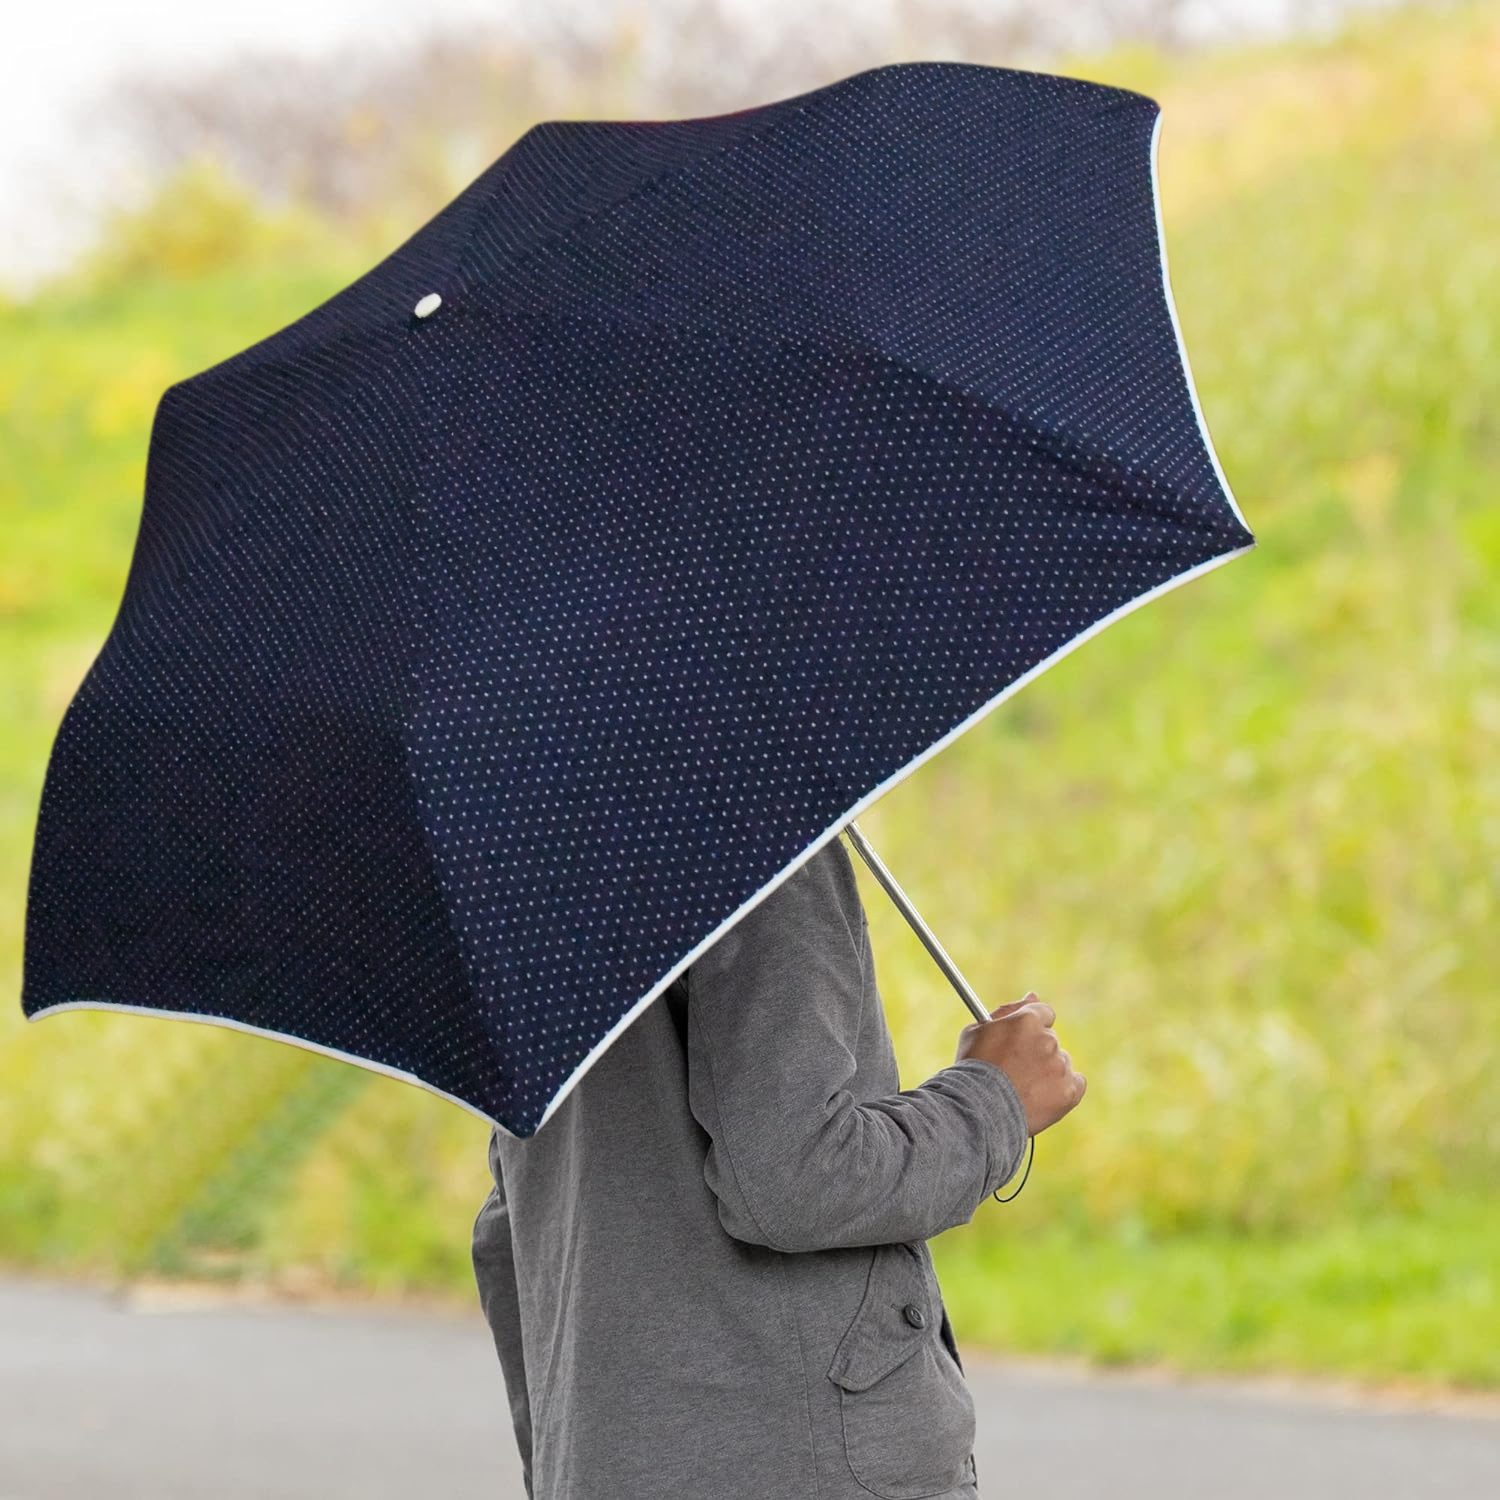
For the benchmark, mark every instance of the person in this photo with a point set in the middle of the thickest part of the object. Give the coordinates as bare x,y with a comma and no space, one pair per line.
707,1274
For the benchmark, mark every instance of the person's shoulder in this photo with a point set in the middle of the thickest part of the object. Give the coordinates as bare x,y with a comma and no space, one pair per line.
819,893
840,864
825,883
828,866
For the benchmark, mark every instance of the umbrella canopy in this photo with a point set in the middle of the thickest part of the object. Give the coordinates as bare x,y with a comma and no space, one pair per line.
503,629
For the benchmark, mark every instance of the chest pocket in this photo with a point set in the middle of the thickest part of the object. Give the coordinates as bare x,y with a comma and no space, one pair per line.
908,1414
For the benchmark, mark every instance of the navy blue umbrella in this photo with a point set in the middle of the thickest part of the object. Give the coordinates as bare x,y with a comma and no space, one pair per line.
503,629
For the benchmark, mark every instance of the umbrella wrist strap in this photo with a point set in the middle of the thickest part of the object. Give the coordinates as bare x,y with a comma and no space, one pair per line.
1030,1152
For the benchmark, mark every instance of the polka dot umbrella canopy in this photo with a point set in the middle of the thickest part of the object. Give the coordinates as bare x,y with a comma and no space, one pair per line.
503,629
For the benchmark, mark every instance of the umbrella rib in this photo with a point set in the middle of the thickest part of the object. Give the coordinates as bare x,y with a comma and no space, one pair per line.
922,930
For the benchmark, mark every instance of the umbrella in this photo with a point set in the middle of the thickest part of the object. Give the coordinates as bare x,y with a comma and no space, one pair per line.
501,630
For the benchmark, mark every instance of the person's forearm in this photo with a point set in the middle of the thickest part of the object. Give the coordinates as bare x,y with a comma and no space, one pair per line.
901,1168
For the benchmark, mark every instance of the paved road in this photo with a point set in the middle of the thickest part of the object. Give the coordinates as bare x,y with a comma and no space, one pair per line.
104,1400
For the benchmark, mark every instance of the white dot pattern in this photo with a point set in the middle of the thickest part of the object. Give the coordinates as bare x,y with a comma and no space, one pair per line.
475,667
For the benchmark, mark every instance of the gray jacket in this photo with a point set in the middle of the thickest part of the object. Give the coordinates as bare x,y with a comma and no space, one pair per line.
707,1274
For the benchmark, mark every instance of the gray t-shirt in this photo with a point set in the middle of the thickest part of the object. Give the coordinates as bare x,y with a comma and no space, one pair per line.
707,1274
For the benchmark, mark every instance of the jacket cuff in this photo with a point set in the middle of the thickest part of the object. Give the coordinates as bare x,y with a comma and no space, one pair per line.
1004,1114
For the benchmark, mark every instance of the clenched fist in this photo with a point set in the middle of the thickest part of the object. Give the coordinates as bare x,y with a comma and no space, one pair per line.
1019,1039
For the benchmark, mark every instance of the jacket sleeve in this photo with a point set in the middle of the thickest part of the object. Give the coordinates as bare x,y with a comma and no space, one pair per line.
493,1255
795,1160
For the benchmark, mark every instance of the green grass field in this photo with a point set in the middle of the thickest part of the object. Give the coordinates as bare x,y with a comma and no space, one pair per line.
1246,841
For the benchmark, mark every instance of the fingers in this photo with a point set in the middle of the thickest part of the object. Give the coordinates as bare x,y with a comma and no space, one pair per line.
1045,1011
1028,1002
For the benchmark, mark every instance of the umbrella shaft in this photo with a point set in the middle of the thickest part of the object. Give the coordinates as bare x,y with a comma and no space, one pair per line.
907,910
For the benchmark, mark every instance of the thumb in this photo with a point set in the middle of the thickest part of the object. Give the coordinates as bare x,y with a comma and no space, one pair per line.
1005,1010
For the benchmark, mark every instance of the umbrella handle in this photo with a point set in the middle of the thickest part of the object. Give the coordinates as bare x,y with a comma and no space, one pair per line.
922,930
935,948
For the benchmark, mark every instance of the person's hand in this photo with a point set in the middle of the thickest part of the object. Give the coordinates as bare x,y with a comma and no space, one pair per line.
1019,1039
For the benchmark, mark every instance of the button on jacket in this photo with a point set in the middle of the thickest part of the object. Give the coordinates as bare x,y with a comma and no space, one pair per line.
707,1274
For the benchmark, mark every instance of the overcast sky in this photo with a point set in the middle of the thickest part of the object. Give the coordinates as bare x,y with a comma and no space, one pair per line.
62,51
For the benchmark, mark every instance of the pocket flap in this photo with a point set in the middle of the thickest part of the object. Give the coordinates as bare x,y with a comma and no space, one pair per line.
892,1322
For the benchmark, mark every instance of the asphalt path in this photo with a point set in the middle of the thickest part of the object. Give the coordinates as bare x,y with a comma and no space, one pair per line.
154,1396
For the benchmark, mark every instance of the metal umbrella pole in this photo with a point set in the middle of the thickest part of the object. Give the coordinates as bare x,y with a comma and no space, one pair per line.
907,910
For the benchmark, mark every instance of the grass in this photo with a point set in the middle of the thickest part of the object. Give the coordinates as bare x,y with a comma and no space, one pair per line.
1414,1295
1246,841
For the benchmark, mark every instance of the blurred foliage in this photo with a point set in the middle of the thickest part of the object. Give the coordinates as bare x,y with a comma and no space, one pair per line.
1388,1297
1247,840
199,220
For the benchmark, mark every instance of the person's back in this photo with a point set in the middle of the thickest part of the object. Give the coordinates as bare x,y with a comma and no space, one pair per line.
707,1275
